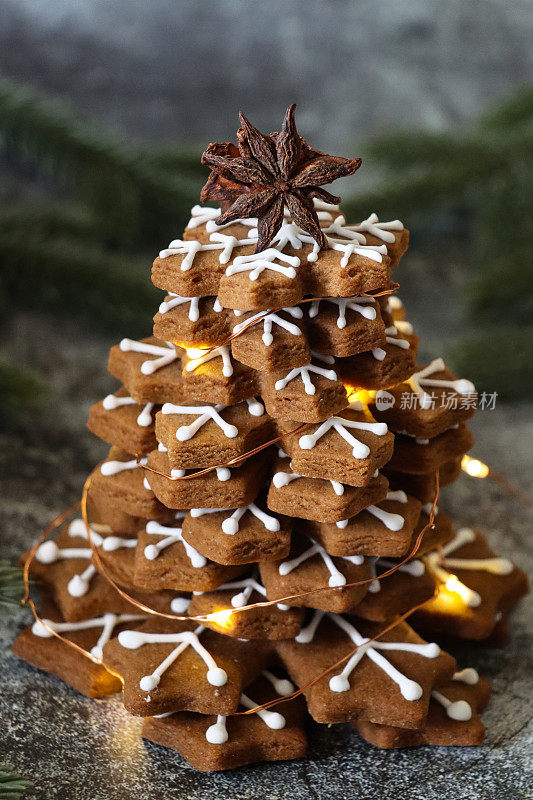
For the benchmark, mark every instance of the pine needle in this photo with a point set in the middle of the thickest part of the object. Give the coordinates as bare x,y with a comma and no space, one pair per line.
11,591
12,785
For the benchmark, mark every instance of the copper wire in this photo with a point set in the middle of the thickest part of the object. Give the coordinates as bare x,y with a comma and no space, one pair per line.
231,463
261,315
277,700
203,618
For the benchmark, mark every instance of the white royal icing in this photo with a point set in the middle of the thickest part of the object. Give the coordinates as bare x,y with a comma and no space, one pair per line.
48,553
170,536
393,522
177,300
247,585
459,710
204,414
305,374
343,238
144,420
414,568
109,468
391,337
280,479
365,306
200,215
438,561
342,426
273,319
108,623
268,260
422,378
230,524
222,352
410,690
218,733
381,230
132,640
165,355
336,577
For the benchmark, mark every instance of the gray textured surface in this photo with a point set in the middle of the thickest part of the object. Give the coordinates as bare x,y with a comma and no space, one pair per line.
163,69
79,749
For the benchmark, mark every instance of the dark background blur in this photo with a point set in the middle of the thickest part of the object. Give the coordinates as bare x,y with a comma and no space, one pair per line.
105,106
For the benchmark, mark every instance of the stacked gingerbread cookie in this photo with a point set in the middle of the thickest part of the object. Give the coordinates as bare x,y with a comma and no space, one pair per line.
276,456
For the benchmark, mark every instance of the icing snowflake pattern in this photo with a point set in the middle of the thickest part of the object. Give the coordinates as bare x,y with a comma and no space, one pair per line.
391,337
194,308
273,319
165,355
247,585
422,378
410,690
48,553
336,577
458,710
365,306
204,414
281,479
343,426
108,622
112,401
439,562
133,640
305,374
346,239
197,357
393,522
230,525
218,732
170,536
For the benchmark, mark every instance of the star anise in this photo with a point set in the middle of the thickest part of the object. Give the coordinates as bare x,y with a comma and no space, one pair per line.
265,173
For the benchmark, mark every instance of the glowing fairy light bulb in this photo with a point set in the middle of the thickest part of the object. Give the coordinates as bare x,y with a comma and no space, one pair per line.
474,468
195,352
362,396
222,619
468,596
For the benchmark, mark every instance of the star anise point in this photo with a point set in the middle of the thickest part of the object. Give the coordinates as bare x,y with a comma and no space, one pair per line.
265,173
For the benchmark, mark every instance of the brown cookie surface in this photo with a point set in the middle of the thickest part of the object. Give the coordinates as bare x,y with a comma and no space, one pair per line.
171,666
390,682
212,743
323,501
453,718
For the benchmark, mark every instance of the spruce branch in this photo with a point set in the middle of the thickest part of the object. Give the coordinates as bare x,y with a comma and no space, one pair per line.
134,198
497,359
12,785
21,390
76,279
11,585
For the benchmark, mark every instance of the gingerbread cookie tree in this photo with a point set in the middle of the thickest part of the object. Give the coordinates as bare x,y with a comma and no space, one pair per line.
269,500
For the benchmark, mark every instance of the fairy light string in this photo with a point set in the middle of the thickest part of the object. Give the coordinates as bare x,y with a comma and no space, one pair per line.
82,505
477,469
231,463
261,315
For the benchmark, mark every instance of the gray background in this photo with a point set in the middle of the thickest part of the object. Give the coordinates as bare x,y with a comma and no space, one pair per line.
178,70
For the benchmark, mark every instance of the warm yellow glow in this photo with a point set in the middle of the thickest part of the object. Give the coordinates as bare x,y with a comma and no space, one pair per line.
474,467
446,601
222,619
453,584
193,350
363,395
